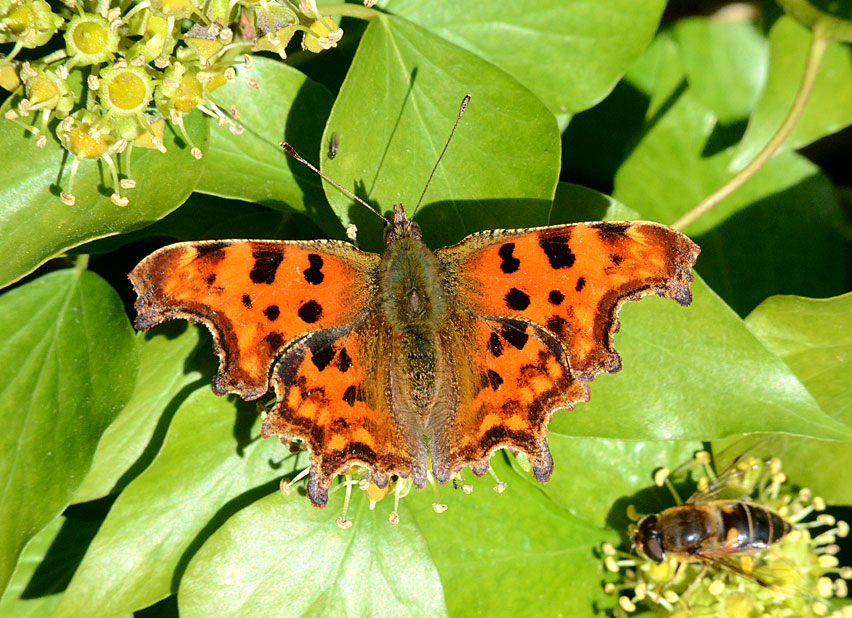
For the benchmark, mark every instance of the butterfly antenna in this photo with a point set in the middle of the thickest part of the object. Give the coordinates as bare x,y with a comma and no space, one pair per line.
290,151
462,109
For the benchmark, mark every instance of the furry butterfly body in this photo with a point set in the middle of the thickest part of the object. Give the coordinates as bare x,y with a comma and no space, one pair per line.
394,360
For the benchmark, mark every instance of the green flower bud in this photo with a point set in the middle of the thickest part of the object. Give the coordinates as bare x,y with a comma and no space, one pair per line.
90,40
125,90
28,23
46,91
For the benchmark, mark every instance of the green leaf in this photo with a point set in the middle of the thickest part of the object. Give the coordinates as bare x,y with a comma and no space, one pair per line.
174,364
570,55
34,223
205,217
209,465
814,338
287,106
787,209
595,478
390,140
281,556
691,373
513,554
75,363
725,64
829,107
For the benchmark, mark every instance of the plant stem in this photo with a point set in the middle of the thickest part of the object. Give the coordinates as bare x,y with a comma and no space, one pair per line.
81,263
819,43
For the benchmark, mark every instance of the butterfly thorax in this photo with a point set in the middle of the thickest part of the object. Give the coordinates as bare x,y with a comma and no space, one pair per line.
414,305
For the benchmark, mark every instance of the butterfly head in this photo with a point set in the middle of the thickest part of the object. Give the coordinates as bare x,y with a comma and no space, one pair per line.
401,227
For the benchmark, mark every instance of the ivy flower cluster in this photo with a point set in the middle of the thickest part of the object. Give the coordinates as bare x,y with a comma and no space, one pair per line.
798,576
117,71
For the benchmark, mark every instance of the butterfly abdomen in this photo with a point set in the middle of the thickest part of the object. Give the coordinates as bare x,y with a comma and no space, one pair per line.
413,302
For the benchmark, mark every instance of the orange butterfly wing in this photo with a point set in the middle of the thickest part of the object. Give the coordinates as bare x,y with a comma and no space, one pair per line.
332,391
544,303
255,296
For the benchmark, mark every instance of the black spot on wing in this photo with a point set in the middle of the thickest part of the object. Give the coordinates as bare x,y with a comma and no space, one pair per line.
555,297
510,263
517,300
344,361
210,279
349,395
495,345
611,231
274,341
266,262
322,357
310,311
556,325
616,259
494,379
213,251
246,301
515,332
557,250
313,274
581,283
272,312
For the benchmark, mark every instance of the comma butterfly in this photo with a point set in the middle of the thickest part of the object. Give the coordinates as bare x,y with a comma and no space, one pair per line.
391,360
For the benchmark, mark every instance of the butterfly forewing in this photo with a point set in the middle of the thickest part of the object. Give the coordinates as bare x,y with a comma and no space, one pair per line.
255,296
572,279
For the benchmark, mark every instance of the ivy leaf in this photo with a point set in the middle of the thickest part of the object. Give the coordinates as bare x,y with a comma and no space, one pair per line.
813,337
391,139
486,546
568,54
76,361
173,365
725,64
371,569
287,106
209,466
788,208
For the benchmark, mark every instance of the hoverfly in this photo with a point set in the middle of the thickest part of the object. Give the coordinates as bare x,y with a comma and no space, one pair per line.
712,530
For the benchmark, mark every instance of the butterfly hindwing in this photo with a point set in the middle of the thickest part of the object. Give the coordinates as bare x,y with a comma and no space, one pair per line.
255,296
512,376
332,392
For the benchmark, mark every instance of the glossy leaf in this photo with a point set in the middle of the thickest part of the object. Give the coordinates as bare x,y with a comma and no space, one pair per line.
34,223
787,209
725,64
371,569
174,365
391,139
70,363
286,106
583,467
211,461
569,54
814,338
514,554
829,107
206,217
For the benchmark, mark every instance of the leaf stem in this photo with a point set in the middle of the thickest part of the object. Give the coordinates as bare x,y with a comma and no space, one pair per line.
81,263
819,43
